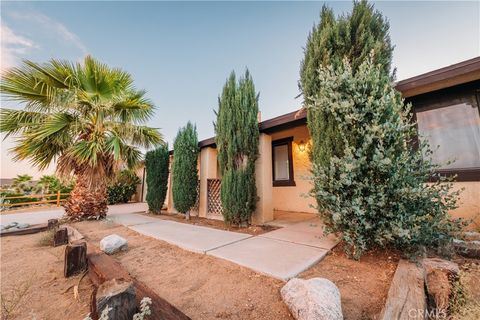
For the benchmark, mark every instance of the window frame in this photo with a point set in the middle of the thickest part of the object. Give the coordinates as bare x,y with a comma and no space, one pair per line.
470,94
291,181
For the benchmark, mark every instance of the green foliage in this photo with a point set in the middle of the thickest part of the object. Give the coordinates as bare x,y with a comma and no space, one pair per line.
237,134
184,168
352,36
22,183
156,164
86,115
123,187
374,193
48,184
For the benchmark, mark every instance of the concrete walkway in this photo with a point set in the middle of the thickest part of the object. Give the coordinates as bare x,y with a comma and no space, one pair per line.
282,254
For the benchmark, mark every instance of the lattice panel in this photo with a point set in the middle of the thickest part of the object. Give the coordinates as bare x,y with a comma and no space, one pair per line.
197,202
214,203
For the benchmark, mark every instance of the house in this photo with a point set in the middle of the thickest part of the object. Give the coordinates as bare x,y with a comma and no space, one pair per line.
445,104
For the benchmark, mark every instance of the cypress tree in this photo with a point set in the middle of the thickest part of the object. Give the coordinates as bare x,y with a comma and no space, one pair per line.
156,165
237,134
352,36
184,169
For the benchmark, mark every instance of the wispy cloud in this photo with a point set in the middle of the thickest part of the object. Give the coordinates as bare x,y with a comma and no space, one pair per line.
53,26
13,46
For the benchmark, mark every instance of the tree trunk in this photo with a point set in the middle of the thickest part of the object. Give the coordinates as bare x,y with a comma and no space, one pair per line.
187,215
86,202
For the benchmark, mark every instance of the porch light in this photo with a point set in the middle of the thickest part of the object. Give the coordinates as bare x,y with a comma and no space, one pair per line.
301,146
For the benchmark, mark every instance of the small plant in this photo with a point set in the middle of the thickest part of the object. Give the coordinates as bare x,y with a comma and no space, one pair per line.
142,315
123,187
46,238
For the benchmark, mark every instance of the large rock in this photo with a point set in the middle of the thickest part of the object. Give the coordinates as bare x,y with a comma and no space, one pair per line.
313,299
23,226
113,243
119,297
439,277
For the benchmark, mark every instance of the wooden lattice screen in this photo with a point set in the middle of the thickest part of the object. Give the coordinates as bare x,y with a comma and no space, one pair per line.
197,202
214,203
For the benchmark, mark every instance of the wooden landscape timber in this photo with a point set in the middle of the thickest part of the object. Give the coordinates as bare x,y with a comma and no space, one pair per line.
102,268
21,232
406,298
60,237
75,259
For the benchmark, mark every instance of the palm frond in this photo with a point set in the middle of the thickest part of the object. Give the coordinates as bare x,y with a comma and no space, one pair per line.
16,121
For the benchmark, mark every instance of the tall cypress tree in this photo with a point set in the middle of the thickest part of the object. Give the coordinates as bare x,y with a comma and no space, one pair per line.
352,36
184,169
156,165
237,134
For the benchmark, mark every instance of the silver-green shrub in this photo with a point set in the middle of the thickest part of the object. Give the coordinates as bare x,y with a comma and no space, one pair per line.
376,194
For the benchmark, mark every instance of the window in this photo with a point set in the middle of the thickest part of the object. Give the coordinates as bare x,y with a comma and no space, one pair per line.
456,131
282,163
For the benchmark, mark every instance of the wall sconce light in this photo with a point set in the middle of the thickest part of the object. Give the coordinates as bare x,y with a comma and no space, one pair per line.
301,146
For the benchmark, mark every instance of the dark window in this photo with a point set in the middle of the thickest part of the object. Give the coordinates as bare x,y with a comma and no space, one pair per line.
450,122
282,163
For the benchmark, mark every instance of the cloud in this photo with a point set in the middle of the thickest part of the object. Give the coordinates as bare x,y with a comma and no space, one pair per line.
52,26
12,46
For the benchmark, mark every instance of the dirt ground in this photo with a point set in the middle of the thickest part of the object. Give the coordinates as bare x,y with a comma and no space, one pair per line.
201,286
32,282
363,284
217,224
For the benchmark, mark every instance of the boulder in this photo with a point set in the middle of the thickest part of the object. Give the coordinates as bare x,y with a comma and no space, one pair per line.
439,277
119,297
113,243
23,226
313,299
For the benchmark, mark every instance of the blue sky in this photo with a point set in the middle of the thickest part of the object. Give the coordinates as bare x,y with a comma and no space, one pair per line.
182,52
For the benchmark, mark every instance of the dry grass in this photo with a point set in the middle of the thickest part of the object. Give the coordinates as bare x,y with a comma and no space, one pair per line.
46,238
465,304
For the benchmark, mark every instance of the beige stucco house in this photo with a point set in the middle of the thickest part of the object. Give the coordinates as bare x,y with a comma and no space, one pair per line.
446,106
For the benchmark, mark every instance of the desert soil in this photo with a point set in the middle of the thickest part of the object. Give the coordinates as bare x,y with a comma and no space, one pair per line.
203,287
212,223
33,285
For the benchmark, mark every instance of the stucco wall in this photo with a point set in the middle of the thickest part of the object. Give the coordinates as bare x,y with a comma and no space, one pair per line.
469,204
295,198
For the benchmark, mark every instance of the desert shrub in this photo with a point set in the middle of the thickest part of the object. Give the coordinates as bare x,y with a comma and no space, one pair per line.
464,303
123,187
237,133
375,194
353,35
46,238
156,164
184,169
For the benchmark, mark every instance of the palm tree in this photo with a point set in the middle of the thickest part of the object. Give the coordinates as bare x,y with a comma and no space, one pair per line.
87,117
22,183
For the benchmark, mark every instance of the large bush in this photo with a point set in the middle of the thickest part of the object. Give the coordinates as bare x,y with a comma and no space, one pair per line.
123,187
184,169
237,133
375,194
156,164
352,35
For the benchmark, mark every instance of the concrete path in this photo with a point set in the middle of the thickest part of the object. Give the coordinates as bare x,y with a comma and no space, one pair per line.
282,254
186,236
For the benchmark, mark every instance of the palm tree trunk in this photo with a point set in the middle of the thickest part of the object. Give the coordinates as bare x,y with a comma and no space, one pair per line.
86,202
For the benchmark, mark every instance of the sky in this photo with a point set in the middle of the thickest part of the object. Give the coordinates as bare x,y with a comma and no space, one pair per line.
182,52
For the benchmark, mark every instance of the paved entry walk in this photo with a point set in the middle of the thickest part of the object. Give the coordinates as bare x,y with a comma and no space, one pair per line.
282,254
